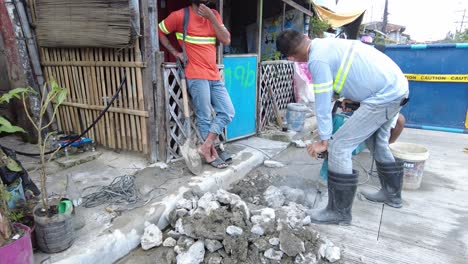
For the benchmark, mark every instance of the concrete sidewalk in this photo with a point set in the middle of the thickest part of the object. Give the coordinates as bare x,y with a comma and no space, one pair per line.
110,234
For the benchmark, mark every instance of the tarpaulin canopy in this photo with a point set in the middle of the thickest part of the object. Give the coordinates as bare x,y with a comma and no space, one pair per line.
337,19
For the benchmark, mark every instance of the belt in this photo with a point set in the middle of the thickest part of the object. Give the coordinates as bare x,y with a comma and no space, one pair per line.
404,101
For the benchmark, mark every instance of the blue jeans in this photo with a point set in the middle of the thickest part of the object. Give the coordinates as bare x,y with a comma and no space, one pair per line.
371,123
208,94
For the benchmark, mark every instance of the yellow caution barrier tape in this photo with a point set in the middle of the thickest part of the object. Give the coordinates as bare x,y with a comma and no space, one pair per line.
437,77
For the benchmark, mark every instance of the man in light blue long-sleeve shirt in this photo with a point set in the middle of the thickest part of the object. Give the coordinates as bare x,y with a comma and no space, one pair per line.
362,74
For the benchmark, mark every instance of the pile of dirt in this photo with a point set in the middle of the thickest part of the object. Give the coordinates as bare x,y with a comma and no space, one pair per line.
215,228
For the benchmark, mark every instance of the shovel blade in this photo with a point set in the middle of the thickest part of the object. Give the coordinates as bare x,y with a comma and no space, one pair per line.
192,158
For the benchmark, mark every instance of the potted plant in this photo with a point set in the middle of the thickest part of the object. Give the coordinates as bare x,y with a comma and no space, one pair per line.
15,238
318,26
54,229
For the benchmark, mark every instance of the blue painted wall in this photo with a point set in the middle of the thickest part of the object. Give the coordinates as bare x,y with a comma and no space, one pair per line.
240,75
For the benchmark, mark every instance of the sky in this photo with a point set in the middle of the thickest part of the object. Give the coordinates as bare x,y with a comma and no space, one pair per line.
425,20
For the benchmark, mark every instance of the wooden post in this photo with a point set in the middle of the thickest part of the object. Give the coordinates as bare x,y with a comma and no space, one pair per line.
160,94
221,47
260,27
259,65
150,46
19,68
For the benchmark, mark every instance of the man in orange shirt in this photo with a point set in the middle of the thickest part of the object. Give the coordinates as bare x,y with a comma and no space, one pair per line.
203,80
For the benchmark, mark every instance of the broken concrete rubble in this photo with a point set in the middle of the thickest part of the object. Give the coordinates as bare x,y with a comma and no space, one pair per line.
274,197
194,255
152,237
232,233
273,164
169,242
213,245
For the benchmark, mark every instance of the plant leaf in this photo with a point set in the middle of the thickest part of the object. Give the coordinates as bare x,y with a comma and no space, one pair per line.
12,165
62,95
7,127
14,93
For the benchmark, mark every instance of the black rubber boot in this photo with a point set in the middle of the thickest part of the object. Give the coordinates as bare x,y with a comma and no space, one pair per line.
341,191
391,179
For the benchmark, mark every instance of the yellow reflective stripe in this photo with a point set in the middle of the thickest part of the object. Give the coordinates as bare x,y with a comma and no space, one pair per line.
338,75
162,26
323,84
350,61
317,91
196,40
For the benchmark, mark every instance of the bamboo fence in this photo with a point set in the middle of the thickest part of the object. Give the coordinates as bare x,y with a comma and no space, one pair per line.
93,76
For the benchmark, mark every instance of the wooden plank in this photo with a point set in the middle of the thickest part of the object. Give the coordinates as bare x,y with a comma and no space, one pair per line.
71,93
104,93
129,98
149,13
299,7
78,90
97,97
141,106
122,119
116,102
134,93
91,63
85,92
112,133
57,76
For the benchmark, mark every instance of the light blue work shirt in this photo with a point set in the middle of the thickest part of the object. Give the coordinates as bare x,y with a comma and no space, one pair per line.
355,71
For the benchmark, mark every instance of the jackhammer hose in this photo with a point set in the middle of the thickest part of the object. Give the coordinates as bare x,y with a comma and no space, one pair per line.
84,132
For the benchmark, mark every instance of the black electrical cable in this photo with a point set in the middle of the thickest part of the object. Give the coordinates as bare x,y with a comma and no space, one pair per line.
84,132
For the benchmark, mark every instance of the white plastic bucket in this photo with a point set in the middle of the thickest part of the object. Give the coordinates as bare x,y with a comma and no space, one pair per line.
413,157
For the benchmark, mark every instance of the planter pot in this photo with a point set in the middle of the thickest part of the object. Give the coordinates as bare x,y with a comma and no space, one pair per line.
53,233
19,251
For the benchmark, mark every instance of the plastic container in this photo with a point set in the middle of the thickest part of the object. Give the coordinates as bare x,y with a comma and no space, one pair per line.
414,157
17,193
19,251
295,116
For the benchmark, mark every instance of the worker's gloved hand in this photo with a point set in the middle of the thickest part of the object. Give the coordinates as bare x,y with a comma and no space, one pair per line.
317,147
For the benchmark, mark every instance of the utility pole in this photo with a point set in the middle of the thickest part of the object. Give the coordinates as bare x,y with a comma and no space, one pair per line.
462,20
385,18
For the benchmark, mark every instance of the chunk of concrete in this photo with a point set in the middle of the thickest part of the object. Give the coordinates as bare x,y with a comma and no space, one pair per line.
234,231
274,241
290,244
329,251
242,206
179,227
208,203
273,254
169,242
257,230
332,254
194,255
268,213
213,245
175,235
308,258
306,221
184,204
225,197
152,237
273,164
274,197
293,195
261,244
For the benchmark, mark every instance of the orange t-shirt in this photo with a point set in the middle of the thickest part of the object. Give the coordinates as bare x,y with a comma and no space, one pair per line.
200,43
